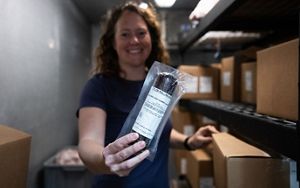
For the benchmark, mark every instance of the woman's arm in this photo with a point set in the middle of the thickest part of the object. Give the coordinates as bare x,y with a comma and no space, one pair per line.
197,140
91,138
177,139
119,157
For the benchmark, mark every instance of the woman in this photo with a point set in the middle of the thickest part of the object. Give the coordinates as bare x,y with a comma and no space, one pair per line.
129,46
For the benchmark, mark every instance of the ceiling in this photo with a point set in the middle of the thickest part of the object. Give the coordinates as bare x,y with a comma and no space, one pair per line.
95,9
276,20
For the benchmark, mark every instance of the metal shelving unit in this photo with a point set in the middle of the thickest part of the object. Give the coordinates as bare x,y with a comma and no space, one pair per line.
276,20
270,133
279,21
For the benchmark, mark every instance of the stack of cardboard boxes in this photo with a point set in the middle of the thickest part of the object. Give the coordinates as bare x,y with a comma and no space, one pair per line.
270,82
204,83
267,79
196,165
238,77
200,168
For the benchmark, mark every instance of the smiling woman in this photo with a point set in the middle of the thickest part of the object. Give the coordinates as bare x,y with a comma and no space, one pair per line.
131,43
147,31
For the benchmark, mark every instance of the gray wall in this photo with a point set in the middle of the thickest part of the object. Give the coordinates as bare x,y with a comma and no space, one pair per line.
45,55
44,61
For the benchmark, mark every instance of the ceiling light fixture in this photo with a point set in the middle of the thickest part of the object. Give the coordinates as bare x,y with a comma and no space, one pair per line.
143,5
165,3
202,8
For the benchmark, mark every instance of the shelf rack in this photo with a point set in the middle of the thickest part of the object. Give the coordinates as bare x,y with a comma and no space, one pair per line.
278,136
279,19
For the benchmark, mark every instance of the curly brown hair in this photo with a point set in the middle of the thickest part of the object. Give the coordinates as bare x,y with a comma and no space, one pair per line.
106,56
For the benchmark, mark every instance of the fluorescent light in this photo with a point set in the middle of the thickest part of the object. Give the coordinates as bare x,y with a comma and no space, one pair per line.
164,3
229,36
143,5
202,8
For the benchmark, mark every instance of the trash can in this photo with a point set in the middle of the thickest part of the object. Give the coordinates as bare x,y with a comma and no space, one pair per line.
65,175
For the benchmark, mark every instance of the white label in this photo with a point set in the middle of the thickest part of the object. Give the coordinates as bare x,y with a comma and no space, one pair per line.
226,78
188,130
206,120
248,81
151,112
192,85
183,166
205,84
206,182
293,175
223,128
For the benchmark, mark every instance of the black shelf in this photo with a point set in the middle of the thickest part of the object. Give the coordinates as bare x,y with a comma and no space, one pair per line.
279,19
278,136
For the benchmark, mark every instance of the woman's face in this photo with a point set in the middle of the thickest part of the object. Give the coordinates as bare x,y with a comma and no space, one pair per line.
132,40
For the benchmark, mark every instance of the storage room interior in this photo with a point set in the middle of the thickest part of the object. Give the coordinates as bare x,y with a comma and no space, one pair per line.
47,49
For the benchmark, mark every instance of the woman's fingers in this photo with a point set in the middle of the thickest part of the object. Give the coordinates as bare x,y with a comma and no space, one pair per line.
212,129
207,130
125,153
124,168
122,156
120,144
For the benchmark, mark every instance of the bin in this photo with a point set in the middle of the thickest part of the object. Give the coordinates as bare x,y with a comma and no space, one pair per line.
65,176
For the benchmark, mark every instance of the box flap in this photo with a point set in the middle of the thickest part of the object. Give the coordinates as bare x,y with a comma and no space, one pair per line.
201,154
191,69
230,146
8,134
286,44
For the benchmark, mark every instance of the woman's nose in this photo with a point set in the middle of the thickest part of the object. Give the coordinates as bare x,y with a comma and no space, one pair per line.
134,39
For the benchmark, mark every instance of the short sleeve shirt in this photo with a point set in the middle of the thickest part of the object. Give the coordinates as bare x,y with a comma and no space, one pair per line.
117,97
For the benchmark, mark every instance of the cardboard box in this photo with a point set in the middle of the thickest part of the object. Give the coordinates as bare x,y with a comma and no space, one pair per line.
181,119
231,73
248,87
187,123
204,83
248,54
200,169
230,79
277,80
216,65
180,161
238,164
14,157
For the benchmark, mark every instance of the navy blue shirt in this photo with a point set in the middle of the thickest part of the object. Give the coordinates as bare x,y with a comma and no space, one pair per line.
117,97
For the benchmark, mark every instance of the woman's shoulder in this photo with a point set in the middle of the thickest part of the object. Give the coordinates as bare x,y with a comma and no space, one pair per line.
97,76
100,78
106,81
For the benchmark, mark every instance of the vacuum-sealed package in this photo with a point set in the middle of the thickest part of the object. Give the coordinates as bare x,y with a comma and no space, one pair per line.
162,88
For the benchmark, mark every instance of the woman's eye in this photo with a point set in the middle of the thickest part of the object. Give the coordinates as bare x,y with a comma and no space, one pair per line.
124,34
142,33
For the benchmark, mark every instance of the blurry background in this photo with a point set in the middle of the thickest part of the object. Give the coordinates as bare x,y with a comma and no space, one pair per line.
46,52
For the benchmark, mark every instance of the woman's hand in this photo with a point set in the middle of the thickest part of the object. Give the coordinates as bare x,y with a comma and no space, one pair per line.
118,154
202,137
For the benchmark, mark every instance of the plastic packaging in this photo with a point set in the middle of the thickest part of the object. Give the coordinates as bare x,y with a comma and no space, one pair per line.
163,87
